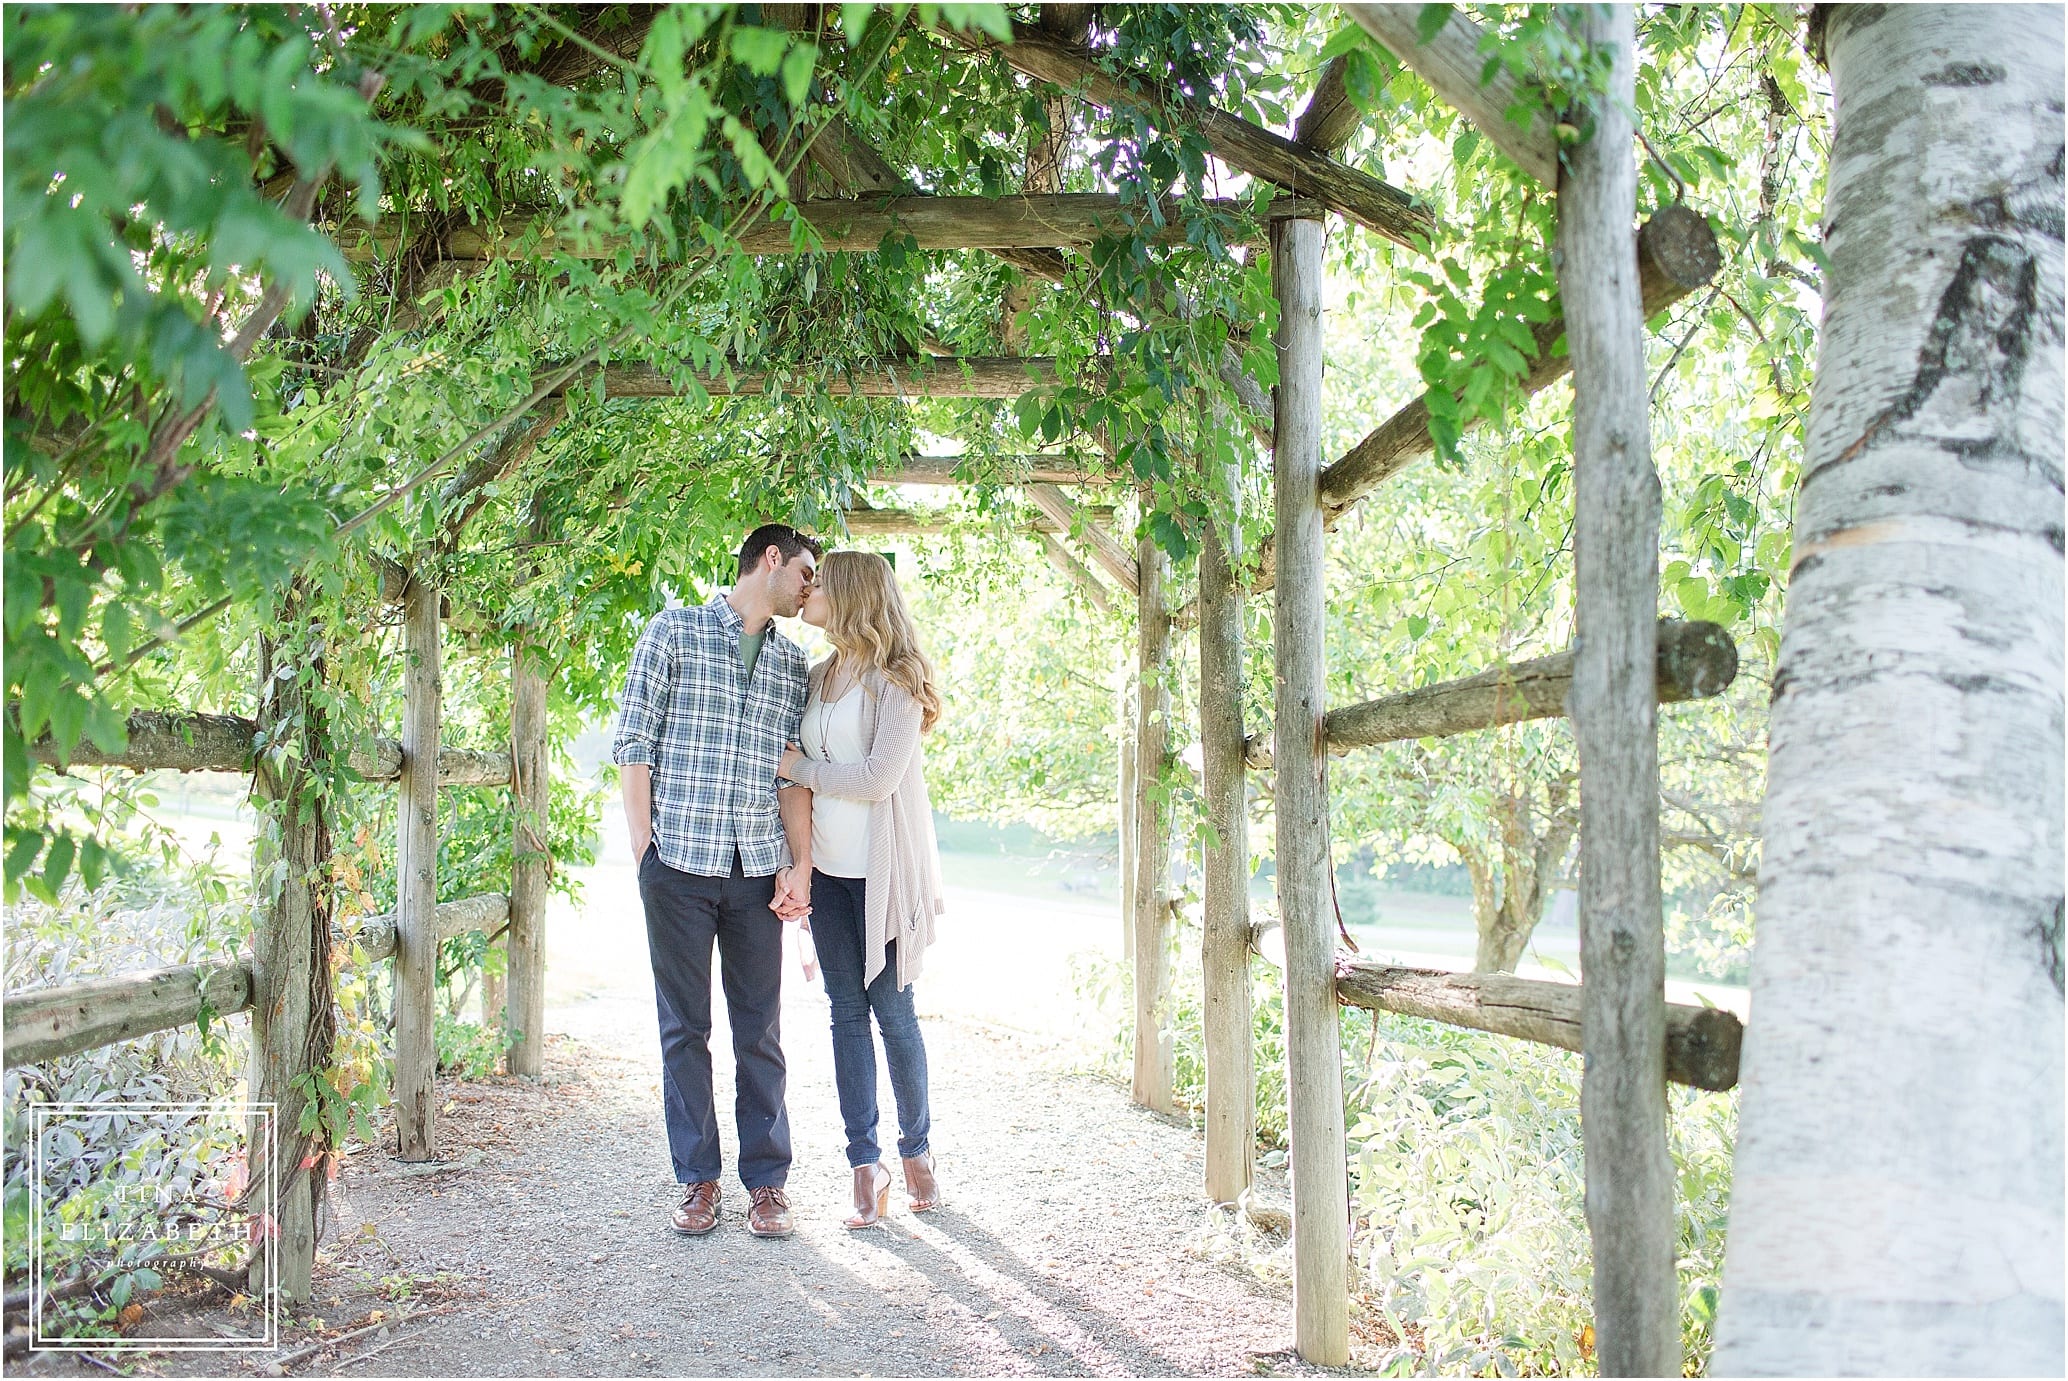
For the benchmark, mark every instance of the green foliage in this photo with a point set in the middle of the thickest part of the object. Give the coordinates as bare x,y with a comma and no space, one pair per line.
468,1050
117,1186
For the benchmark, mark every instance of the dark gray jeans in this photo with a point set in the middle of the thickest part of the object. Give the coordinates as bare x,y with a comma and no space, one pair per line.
684,915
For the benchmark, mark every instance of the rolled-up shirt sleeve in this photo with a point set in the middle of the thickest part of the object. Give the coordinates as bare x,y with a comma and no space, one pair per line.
643,709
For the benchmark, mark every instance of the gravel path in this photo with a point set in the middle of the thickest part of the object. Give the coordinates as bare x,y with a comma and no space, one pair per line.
1067,1245
1072,1240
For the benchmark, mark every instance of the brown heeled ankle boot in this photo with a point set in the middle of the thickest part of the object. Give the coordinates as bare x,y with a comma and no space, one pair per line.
871,1195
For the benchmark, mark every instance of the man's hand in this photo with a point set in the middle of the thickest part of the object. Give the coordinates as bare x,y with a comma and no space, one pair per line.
792,900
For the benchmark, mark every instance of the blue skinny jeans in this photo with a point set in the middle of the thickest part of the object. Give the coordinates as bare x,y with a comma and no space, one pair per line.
837,925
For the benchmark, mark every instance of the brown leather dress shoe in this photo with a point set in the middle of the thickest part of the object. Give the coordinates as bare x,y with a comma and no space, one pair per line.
769,1213
922,1190
697,1214
871,1195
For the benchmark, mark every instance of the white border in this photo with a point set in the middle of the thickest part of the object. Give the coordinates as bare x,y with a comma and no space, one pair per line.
39,1343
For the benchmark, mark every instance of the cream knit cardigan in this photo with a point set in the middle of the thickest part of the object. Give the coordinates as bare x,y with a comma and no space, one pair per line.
903,891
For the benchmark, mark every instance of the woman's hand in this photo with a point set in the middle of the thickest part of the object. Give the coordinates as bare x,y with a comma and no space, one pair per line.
787,768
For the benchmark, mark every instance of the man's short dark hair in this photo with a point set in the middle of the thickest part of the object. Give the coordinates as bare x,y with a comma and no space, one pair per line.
784,538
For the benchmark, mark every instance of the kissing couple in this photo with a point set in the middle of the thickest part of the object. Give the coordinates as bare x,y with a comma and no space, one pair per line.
759,791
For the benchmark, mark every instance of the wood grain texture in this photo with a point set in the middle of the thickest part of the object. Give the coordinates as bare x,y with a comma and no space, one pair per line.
1451,63
1155,1045
1614,711
1373,204
531,859
1702,1043
922,376
1227,1028
1024,469
1053,220
1695,660
416,868
45,1023
1313,1036
161,741
1111,557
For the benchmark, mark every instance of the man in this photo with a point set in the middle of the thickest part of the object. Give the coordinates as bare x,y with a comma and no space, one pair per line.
713,695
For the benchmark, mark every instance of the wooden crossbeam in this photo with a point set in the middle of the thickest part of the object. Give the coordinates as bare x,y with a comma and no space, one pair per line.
1054,220
1451,63
1028,469
926,376
907,522
1108,553
161,742
1676,253
1702,1043
1695,660
1379,207
45,1023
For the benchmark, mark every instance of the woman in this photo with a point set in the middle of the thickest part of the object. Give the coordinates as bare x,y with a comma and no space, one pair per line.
876,877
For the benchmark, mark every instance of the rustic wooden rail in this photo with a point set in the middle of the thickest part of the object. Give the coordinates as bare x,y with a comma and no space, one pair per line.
922,376
1701,1042
1058,220
1696,660
44,1023
161,742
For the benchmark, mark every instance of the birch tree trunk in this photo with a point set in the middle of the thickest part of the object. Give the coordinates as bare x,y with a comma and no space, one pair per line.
1897,1206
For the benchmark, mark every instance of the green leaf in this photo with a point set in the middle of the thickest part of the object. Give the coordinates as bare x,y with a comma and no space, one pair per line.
1430,22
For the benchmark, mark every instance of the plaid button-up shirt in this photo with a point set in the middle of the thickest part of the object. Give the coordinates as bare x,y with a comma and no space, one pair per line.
712,738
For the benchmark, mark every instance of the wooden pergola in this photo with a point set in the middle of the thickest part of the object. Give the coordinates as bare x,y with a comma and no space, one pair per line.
1613,275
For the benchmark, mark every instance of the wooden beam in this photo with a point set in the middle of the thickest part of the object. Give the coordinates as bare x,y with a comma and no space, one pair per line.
416,870
1452,63
922,376
165,742
1029,469
47,1023
1381,208
1630,1178
1057,507
1677,253
1330,117
1701,1048
1695,660
484,911
1075,571
1155,1042
1226,1022
1051,220
906,522
1306,881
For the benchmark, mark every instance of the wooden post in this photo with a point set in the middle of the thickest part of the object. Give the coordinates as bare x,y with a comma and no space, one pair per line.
292,1023
416,867
1614,714
1155,1065
1125,714
1313,1033
531,863
1231,1074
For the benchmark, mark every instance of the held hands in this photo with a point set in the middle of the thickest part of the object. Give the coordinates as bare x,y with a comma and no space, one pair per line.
792,900
788,766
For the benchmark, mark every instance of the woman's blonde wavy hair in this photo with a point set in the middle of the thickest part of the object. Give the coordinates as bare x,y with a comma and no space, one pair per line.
869,625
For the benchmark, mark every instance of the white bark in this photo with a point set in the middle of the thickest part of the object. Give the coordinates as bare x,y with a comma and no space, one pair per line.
1898,1196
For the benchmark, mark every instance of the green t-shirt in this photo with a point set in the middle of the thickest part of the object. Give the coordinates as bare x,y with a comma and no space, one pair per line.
750,649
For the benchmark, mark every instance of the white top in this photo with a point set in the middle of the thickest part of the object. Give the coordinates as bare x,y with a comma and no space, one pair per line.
832,732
